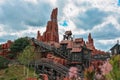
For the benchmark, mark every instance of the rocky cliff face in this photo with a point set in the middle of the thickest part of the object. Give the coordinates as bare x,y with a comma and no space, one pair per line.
90,45
90,42
5,48
51,33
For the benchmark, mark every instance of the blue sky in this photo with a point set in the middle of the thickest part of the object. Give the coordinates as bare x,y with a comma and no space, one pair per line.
101,18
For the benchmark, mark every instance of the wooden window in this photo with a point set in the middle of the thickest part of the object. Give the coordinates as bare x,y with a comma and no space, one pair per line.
85,52
115,51
64,46
76,57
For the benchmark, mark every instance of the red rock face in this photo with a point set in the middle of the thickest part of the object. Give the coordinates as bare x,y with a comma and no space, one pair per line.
5,48
6,45
39,37
54,15
90,45
90,42
51,33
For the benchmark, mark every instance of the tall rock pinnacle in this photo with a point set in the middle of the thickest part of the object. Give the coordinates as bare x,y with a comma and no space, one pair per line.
51,33
54,15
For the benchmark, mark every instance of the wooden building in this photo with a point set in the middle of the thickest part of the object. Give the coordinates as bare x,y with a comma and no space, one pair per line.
115,49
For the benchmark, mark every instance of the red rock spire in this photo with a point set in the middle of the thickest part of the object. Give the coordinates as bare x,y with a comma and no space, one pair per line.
90,39
51,33
90,42
54,15
39,37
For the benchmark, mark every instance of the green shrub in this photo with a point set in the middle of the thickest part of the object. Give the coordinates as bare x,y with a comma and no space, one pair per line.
6,71
115,73
3,62
2,78
13,78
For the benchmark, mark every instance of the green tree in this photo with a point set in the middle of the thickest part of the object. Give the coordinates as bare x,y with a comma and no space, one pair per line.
18,46
3,62
26,57
115,73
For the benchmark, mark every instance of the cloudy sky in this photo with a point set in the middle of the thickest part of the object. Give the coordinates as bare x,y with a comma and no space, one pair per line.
101,18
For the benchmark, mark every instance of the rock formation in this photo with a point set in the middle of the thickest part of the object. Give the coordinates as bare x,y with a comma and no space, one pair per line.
51,33
90,42
90,45
5,48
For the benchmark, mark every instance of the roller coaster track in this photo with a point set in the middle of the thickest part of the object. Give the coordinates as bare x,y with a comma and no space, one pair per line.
49,48
61,69
49,63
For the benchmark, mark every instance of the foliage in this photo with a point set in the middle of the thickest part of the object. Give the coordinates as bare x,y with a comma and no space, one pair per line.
27,55
11,55
3,62
18,46
115,73
89,75
15,72
0,46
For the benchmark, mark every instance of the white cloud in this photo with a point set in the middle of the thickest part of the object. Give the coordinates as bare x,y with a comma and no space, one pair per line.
2,30
110,41
32,1
106,5
2,1
112,19
37,14
108,20
31,32
53,2
109,6
106,45
70,10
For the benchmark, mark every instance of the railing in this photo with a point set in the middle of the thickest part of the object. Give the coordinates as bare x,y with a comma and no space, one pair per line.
49,48
63,70
56,66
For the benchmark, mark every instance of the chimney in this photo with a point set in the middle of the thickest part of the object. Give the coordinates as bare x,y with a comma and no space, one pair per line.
117,41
